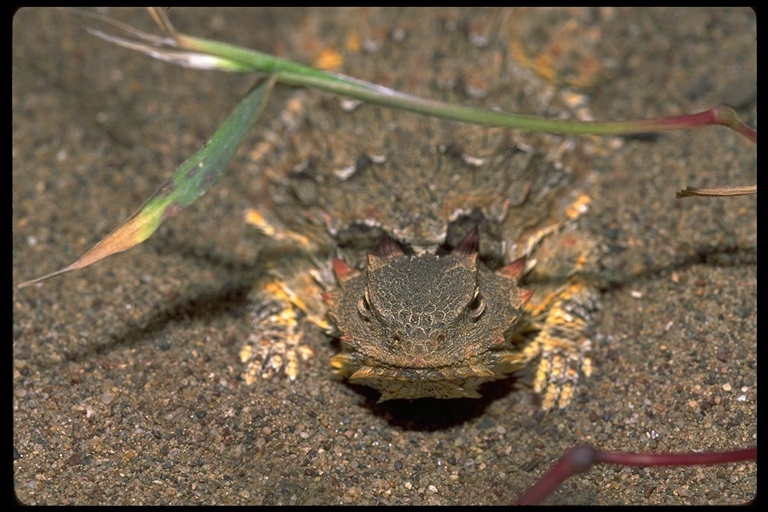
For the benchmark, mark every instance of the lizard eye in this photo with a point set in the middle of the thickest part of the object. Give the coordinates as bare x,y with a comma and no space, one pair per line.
476,306
364,307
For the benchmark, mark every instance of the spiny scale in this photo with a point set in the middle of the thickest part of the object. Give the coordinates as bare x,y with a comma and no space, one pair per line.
453,341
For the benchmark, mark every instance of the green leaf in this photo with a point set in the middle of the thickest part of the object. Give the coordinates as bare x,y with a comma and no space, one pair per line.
199,53
189,182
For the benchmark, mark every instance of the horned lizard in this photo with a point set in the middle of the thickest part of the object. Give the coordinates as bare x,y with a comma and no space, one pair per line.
441,255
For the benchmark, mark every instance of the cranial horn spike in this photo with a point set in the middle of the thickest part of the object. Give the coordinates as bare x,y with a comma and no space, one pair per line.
479,370
363,373
389,248
513,270
375,262
468,245
498,340
342,271
525,296
469,262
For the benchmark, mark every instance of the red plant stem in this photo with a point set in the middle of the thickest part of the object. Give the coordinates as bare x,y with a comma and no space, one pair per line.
581,458
676,459
718,114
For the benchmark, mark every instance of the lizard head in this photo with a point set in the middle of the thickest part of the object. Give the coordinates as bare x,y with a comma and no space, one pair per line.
426,326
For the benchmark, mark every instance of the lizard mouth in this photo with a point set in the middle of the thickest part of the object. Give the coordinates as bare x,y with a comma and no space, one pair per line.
412,383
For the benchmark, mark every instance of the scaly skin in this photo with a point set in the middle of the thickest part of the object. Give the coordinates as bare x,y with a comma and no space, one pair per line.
340,175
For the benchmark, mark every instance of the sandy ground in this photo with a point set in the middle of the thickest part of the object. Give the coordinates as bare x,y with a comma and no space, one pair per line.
126,381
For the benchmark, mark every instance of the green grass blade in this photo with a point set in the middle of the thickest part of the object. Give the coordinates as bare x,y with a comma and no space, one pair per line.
200,53
189,182
291,73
